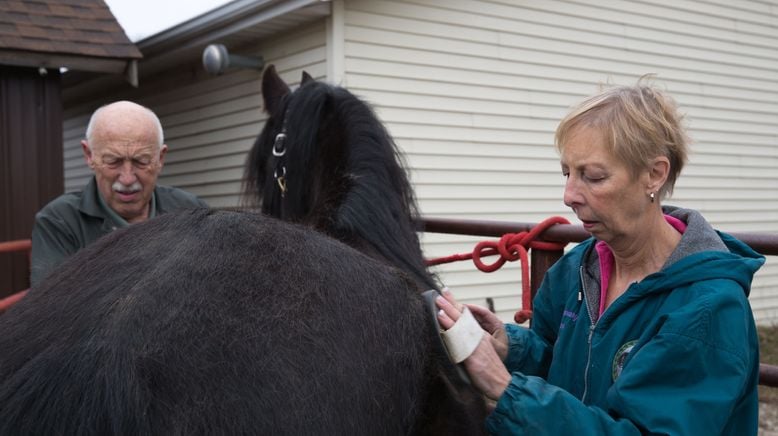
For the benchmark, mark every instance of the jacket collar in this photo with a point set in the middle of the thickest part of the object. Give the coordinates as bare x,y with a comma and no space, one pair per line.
699,236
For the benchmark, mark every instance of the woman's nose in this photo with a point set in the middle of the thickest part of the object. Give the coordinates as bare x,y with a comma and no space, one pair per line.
572,195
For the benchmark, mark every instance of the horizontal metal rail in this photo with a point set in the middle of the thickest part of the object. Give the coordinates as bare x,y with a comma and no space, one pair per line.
17,245
24,245
764,243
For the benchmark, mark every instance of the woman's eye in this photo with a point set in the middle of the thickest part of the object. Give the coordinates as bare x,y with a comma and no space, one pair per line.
594,178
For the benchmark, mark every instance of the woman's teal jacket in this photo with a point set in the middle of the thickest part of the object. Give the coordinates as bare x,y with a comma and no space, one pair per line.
676,354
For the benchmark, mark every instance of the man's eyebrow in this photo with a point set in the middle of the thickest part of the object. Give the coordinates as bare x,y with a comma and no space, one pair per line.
132,156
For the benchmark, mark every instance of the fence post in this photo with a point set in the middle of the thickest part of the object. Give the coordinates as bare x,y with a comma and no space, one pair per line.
540,262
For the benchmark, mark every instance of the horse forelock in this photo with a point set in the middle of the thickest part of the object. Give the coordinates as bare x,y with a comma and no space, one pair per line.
298,114
306,119
256,189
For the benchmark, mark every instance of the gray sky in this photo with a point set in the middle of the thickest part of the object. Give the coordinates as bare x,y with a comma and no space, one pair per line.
142,18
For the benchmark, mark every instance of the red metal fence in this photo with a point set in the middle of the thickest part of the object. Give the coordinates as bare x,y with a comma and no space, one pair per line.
541,260
8,297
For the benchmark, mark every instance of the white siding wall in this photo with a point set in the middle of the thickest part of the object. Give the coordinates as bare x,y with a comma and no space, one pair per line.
210,123
473,90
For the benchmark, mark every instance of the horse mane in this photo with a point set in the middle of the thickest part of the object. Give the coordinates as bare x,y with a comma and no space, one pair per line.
344,173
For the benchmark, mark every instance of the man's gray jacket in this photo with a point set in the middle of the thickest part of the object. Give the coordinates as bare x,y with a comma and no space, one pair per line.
74,220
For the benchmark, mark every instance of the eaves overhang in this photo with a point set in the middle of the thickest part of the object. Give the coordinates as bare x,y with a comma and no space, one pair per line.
235,24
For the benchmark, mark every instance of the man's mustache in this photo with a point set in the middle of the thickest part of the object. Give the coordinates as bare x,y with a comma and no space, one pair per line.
121,187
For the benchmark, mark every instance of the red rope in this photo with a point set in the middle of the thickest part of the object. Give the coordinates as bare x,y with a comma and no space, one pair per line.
511,247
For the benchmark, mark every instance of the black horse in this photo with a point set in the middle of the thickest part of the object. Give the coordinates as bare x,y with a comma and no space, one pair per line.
208,322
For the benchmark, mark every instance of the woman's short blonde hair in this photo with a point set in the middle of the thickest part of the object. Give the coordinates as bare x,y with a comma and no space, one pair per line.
638,123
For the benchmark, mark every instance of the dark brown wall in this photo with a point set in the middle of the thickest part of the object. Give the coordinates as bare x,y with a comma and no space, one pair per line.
31,172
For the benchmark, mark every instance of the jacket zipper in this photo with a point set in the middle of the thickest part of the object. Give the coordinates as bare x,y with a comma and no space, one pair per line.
592,325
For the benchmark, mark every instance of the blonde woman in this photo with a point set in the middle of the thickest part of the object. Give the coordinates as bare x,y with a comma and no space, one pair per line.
646,326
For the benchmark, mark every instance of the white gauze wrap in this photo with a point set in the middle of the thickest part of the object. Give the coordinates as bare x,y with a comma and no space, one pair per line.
462,339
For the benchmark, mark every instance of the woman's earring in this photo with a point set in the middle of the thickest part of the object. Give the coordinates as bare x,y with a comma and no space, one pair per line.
652,196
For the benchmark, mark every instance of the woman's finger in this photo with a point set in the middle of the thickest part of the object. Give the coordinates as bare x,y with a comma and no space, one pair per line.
444,320
446,307
488,320
450,297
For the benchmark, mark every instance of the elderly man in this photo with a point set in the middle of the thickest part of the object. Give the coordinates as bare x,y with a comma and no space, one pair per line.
124,147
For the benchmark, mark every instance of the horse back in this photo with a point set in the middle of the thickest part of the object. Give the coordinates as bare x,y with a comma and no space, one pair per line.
215,322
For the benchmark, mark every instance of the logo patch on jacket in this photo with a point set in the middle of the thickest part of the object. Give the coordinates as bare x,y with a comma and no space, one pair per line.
568,316
621,357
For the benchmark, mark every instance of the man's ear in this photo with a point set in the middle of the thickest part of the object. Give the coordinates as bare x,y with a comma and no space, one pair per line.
658,173
87,154
162,153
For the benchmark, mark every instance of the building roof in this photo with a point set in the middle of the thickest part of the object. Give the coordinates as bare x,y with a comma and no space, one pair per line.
237,25
76,34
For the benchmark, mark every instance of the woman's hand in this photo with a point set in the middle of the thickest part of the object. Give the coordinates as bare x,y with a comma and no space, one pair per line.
492,325
484,366
488,321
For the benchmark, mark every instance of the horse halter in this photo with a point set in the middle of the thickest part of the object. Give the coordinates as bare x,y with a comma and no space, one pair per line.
279,150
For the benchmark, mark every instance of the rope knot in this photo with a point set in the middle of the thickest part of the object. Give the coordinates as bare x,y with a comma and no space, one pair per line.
512,247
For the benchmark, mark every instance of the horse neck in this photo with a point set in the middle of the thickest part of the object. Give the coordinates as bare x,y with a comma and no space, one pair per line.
391,242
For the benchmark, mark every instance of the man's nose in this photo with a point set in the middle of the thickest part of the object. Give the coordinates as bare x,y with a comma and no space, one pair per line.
127,174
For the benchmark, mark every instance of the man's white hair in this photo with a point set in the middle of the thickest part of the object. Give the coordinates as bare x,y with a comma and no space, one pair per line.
90,126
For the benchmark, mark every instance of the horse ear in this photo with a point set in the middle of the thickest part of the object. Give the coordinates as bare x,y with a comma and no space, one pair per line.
273,90
306,78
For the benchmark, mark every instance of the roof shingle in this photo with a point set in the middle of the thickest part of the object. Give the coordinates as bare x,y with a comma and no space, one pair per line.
65,27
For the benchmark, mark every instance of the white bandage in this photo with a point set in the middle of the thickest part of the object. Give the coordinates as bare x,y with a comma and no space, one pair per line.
462,339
